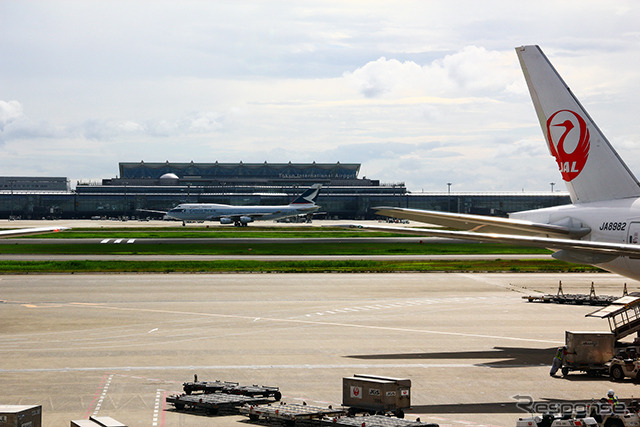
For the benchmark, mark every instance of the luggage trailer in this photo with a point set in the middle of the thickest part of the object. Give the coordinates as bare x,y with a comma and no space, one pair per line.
375,421
231,388
292,413
214,403
296,414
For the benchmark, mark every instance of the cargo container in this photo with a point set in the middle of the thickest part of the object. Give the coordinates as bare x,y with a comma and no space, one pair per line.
376,394
95,421
588,352
20,416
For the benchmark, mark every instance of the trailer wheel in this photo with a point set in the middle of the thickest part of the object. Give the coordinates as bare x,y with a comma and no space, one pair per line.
254,417
565,371
277,395
179,406
399,413
617,373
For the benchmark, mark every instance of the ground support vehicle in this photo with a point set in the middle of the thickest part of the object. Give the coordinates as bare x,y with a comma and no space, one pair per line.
231,388
213,403
556,420
374,421
376,395
588,352
622,367
292,413
619,416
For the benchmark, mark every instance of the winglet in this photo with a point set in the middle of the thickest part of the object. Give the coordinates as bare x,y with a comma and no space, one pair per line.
590,167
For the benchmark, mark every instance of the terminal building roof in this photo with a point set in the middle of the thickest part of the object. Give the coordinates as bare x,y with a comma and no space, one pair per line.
145,170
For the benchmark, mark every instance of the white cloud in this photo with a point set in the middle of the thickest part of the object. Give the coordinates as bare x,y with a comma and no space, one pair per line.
473,71
9,112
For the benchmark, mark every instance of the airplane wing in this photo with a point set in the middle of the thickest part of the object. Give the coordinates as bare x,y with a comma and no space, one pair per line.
482,223
28,231
236,217
570,248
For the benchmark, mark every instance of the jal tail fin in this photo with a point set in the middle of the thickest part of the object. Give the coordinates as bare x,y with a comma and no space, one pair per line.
309,196
590,167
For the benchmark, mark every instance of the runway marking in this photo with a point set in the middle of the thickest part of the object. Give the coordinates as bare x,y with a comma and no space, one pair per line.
400,304
100,393
103,395
156,407
116,241
164,408
319,323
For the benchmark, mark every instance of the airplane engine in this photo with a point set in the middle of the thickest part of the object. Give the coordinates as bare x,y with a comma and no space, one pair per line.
226,221
246,219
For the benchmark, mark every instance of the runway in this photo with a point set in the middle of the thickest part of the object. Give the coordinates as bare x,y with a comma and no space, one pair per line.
116,345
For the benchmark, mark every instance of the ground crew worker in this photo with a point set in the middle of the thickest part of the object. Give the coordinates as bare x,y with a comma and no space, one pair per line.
558,360
612,398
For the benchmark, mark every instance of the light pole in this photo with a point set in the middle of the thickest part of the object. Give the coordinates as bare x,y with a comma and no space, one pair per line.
448,197
552,184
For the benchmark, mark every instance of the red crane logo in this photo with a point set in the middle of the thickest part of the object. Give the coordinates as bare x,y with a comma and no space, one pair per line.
576,135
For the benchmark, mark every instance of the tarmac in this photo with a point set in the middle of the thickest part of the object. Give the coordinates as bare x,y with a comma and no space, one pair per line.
118,344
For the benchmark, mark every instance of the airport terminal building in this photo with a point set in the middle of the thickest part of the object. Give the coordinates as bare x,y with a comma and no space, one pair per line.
161,186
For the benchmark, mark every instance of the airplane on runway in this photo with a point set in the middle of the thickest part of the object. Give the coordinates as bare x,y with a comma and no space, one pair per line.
239,216
602,224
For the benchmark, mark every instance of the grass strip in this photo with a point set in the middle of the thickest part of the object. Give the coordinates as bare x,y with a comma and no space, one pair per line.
236,266
268,248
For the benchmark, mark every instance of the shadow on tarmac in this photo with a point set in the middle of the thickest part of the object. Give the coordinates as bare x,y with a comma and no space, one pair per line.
525,406
512,356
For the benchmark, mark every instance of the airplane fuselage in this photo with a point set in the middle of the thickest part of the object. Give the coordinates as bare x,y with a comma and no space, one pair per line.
214,212
613,221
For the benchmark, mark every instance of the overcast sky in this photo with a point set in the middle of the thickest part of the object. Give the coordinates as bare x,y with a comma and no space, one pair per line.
421,92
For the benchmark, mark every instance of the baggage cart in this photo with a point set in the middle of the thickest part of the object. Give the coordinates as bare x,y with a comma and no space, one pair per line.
231,388
19,415
374,421
214,403
290,413
376,394
588,352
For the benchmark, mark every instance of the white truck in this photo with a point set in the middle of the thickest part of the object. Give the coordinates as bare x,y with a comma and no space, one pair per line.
555,420
625,365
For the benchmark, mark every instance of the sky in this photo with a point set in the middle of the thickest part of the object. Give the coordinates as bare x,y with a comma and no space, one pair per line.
418,92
